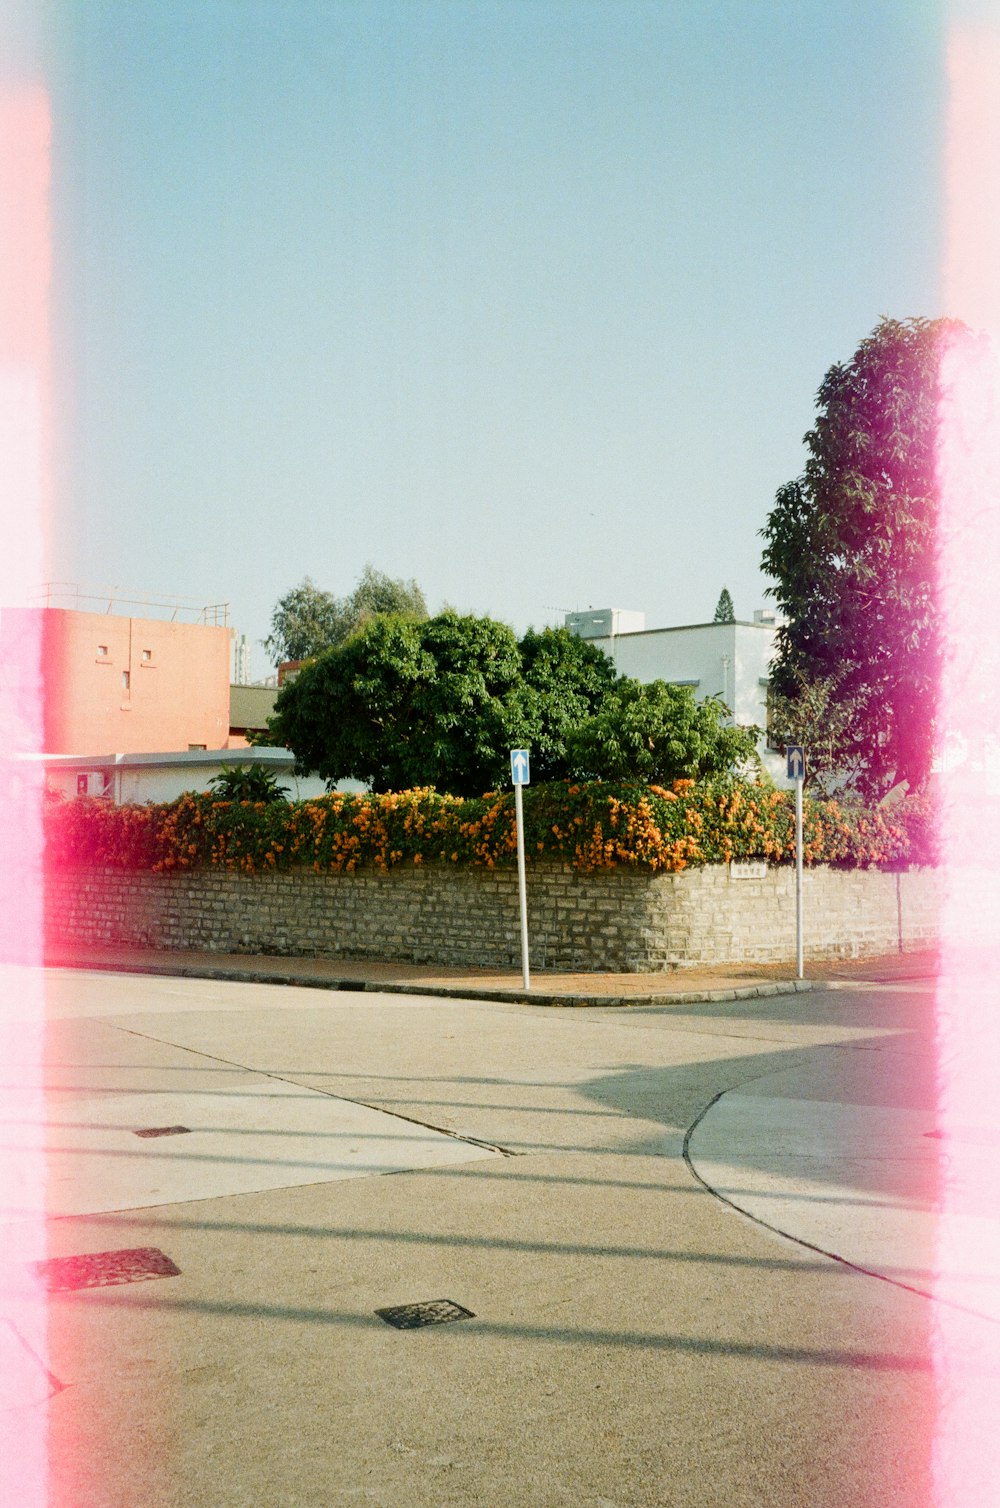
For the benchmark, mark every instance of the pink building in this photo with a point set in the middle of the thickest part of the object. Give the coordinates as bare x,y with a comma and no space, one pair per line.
133,684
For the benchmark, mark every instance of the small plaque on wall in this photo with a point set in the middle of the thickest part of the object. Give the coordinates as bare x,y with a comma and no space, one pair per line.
748,869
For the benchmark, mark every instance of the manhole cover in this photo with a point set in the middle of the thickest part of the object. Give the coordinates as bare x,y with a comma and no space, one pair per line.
164,1131
103,1269
431,1312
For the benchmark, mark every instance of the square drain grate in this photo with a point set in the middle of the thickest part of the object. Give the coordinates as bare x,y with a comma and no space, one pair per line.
165,1131
104,1269
430,1312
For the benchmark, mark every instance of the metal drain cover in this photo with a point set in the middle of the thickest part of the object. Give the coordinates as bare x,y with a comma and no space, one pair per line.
103,1269
430,1312
164,1131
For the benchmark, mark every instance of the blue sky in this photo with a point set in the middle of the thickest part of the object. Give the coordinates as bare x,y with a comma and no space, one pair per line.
527,300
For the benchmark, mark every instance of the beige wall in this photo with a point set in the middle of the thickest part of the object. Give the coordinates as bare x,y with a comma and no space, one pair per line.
612,920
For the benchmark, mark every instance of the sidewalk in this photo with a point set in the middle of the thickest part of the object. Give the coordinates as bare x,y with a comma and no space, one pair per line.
568,1179
726,982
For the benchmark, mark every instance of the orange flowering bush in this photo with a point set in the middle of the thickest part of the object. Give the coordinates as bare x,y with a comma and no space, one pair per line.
587,826
91,831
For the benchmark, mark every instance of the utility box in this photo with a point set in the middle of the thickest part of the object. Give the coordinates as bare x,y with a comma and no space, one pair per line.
92,783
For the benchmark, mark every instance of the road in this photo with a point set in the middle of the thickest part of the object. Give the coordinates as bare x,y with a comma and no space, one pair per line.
635,1339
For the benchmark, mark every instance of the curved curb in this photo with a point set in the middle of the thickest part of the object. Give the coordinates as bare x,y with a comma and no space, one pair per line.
776,1230
497,994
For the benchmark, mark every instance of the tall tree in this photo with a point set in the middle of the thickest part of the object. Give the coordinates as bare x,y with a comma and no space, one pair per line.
305,621
308,620
377,594
851,546
724,610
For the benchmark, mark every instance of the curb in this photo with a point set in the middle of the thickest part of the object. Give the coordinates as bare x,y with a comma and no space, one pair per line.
508,996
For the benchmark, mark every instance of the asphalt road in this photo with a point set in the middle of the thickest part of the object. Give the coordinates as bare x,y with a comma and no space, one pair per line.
643,1209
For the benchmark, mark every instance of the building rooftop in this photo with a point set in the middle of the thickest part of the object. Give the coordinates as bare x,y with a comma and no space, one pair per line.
120,602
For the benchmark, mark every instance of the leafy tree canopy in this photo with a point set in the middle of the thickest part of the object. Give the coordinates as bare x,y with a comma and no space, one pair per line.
305,621
376,594
442,702
724,610
658,733
565,680
405,703
308,620
850,545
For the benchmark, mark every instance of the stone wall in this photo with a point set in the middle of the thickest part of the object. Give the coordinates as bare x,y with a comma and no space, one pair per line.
612,920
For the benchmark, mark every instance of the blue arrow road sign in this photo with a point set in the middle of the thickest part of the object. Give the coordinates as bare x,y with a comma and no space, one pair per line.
519,772
796,756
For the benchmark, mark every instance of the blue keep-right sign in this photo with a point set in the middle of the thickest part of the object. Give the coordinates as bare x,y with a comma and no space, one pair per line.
796,756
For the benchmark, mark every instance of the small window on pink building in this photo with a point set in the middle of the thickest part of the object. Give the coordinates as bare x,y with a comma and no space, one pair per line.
147,655
125,680
102,651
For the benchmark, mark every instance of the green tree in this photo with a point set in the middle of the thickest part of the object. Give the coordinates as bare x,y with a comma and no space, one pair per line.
565,680
724,610
377,594
308,620
851,547
404,703
658,733
305,621
442,702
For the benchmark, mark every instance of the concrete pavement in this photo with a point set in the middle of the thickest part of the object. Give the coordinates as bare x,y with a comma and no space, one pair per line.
636,1340
548,987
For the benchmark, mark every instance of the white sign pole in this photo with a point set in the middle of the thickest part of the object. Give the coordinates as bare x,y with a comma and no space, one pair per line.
799,957
796,756
522,889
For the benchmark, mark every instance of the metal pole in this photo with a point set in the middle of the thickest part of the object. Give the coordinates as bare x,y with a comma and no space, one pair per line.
519,810
799,961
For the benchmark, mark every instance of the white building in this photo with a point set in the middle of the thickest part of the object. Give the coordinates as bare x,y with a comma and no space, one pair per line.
730,661
138,778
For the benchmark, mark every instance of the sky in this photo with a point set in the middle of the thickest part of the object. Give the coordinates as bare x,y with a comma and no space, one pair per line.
527,300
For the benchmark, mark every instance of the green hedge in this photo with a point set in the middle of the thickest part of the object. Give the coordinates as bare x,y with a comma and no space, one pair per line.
589,827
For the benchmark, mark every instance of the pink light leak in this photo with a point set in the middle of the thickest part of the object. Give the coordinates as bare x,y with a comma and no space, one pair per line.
25,1383
967,1338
